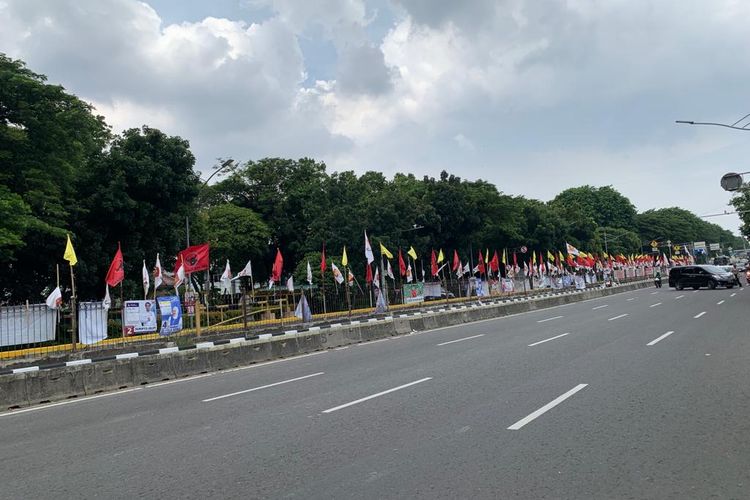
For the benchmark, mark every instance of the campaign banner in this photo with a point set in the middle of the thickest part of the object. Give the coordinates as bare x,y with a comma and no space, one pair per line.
413,292
171,314
139,316
507,285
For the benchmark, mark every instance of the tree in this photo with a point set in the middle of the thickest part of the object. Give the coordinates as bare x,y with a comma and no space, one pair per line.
47,138
139,193
605,205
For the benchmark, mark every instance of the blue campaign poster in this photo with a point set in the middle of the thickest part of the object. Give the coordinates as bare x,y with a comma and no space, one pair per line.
171,314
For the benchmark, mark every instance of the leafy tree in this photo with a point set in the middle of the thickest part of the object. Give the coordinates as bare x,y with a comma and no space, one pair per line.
605,205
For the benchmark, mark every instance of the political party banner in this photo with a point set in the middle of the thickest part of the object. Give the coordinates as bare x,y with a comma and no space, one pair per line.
413,292
27,324
507,285
92,322
139,317
171,314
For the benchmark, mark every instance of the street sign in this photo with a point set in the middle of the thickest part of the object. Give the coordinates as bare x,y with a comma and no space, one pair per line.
731,182
699,245
524,249
654,244
714,246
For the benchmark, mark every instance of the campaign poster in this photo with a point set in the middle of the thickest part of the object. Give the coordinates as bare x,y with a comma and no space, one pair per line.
171,314
413,292
139,316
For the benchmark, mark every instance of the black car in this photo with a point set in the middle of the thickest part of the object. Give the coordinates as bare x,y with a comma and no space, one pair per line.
700,276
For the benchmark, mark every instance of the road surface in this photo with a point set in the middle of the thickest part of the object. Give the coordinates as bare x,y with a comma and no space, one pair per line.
643,394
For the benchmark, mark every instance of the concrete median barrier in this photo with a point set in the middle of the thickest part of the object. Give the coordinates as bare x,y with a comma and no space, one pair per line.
34,385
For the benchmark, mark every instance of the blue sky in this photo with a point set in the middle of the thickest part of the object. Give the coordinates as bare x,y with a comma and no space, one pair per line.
534,96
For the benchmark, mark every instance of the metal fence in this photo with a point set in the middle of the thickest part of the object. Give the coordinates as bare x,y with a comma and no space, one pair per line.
32,331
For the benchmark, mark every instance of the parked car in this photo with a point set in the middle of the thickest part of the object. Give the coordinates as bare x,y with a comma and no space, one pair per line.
700,276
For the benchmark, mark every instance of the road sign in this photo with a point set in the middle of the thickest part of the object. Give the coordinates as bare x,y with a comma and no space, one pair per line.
699,245
714,246
524,249
731,182
654,244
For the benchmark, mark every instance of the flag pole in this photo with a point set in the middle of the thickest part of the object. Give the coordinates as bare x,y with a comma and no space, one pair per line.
346,285
73,318
122,312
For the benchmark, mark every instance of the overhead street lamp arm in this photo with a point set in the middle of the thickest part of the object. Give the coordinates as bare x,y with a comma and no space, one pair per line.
733,126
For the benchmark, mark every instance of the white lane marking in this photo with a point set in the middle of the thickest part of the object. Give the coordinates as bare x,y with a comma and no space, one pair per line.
631,298
599,307
719,302
262,387
618,317
547,340
679,297
352,403
549,319
699,315
532,416
178,380
733,295
696,291
71,401
654,305
654,293
461,340
662,337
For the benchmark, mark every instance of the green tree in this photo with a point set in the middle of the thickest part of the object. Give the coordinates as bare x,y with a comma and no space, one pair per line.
605,205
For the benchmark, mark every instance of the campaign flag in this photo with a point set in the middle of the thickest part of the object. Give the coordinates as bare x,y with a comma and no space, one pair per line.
54,299
441,257
337,274
227,274
465,269
570,249
247,270
384,251
433,263
309,273
368,250
303,310
116,272
290,284
376,280
515,263
409,277
179,275
146,278
70,254
389,270
401,264
525,268
344,258
157,273
412,252
456,261
368,274
351,278
107,302
323,261
278,264
195,258
480,264
495,263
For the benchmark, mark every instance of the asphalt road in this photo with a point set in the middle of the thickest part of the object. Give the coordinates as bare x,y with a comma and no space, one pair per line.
591,400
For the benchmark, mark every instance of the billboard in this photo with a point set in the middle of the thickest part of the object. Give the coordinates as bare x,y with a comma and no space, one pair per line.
171,314
413,292
139,316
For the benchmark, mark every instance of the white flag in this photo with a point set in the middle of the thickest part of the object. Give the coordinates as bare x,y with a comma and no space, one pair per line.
146,279
54,299
376,278
309,273
157,273
107,302
368,250
389,271
408,273
337,274
180,277
247,271
227,275
290,284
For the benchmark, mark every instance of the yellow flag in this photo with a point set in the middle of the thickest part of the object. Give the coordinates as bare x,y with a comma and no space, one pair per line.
560,256
412,253
441,257
384,251
505,256
550,257
533,258
487,255
344,258
70,254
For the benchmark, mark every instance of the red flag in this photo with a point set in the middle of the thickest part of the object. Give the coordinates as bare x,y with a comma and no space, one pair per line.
480,265
401,265
433,264
495,263
195,258
515,261
116,272
277,265
368,274
456,261
323,261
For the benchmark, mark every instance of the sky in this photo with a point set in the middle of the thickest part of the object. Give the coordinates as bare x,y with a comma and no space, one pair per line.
534,96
